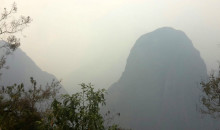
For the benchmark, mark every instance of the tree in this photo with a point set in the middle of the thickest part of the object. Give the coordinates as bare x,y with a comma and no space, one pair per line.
211,95
9,26
80,111
19,107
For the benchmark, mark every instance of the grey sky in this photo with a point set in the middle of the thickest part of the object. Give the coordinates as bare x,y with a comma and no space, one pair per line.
95,36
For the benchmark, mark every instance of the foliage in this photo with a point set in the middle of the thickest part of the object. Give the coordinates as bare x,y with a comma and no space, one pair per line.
9,26
211,97
80,111
19,108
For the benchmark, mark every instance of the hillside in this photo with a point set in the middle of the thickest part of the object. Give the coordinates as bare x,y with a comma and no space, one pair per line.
21,68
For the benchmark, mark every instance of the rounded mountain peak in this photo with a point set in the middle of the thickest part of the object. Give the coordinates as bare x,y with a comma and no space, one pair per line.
160,81
160,49
165,36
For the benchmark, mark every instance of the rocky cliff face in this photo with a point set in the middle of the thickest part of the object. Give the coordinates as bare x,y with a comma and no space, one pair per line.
159,88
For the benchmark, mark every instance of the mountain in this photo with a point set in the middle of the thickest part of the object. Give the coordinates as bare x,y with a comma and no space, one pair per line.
159,88
21,68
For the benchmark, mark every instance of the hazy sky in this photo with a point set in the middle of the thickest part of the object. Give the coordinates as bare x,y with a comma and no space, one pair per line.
93,38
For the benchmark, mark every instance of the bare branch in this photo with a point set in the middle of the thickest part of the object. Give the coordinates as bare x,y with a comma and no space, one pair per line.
9,26
6,13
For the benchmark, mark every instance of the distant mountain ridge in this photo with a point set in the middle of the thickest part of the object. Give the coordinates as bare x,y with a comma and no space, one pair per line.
159,88
21,68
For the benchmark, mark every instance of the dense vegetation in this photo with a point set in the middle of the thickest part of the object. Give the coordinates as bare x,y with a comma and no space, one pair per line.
22,109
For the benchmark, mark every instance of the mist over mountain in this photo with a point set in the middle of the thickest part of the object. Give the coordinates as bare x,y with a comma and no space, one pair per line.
159,88
21,68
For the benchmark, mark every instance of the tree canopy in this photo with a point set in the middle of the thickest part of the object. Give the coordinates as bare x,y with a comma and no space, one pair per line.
211,95
20,108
